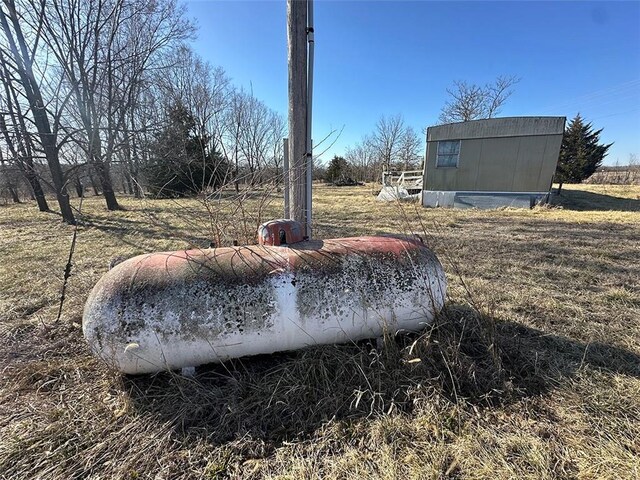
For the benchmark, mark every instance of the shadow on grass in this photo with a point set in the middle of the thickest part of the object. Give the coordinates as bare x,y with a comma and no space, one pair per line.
467,359
582,200
128,231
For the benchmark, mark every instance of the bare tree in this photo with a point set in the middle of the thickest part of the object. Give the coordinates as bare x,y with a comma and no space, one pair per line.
246,132
143,122
362,158
17,137
393,145
104,48
277,129
81,37
255,135
231,126
387,138
498,92
409,152
473,102
149,42
466,103
109,71
9,178
396,144
21,61
189,81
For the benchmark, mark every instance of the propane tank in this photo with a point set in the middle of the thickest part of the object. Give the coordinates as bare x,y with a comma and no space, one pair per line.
170,310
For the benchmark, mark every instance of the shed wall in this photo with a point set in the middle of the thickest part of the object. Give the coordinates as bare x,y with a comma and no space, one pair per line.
497,164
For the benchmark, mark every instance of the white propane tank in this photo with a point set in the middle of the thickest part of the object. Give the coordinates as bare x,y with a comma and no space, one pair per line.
165,311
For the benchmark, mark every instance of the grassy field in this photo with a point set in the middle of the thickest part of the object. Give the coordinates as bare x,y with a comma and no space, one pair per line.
532,371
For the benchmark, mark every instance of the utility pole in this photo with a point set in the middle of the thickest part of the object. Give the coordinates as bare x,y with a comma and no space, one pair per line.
300,58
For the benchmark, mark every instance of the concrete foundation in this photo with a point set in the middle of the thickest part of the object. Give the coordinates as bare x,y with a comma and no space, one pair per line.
481,200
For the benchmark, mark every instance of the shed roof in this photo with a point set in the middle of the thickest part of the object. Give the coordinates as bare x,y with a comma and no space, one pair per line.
497,127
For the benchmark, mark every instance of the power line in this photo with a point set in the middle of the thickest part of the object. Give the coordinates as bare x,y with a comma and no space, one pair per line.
628,89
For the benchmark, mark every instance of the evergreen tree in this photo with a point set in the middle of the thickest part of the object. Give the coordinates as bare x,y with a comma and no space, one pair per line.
580,154
180,163
338,170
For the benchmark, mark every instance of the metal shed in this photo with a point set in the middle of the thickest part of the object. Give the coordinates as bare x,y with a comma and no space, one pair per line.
491,163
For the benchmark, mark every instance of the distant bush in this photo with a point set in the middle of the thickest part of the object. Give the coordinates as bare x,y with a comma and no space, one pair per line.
625,175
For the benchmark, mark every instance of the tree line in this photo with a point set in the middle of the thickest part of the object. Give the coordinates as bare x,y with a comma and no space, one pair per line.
102,90
391,145
395,146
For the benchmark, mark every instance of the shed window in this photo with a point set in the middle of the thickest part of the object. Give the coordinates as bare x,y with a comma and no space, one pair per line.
448,153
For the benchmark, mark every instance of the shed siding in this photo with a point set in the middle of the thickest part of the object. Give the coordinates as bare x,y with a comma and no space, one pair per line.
527,167
497,164
548,167
497,127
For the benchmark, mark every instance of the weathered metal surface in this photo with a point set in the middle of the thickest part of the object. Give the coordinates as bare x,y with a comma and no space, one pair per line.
481,200
280,232
497,127
516,154
178,309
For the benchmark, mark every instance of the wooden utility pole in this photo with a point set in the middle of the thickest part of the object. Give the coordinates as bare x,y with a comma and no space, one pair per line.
287,184
297,58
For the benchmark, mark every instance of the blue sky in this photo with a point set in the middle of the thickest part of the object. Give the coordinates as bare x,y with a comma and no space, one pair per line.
388,57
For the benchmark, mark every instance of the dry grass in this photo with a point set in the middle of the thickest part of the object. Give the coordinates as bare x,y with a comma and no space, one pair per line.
533,371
